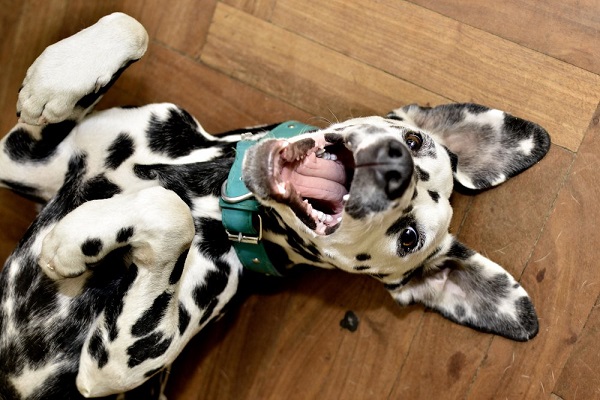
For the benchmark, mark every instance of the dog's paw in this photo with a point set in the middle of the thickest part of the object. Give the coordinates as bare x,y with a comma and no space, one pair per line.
69,76
62,255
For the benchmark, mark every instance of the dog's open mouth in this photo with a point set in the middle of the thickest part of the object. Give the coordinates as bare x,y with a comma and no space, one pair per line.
313,177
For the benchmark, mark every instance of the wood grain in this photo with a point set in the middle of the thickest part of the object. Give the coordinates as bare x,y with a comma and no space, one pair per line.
567,30
302,72
452,59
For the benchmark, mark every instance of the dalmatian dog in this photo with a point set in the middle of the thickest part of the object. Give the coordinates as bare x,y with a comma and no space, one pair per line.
129,258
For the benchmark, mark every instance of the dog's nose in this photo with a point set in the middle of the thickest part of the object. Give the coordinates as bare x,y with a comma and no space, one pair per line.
392,163
392,151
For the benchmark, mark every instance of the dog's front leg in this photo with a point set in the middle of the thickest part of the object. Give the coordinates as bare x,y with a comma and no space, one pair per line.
169,291
158,228
60,88
155,222
70,76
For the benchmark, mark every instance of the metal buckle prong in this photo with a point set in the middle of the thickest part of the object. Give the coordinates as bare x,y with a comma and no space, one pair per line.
236,199
246,239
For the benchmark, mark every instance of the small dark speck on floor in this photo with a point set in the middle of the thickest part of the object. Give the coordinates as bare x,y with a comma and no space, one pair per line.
350,321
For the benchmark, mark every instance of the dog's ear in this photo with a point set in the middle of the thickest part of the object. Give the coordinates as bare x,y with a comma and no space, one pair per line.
490,145
470,289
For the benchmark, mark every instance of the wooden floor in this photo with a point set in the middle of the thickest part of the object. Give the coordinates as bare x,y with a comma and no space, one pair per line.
234,63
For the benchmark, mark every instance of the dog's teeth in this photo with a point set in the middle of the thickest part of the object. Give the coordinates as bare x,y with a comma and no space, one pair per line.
320,152
332,157
328,218
339,219
320,215
281,187
346,197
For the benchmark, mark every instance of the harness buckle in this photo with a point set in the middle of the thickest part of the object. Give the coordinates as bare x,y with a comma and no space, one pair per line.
241,238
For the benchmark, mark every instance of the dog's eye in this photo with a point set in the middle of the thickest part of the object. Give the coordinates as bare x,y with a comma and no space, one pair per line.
413,140
409,238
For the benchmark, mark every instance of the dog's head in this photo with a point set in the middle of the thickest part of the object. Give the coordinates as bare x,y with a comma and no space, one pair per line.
371,195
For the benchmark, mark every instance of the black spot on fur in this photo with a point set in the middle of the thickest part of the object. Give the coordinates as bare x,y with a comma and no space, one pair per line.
422,174
275,224
97,349
476,108
214,243
527,316
151,318
453,159
91,247
334,138
206,295
177,135
435,196
459,311
99,187
405,278
392,286
184,318
363,257
183,179
22,147
146,348
394,116
277,255
178,268
120,150
114,306
214,283
459,251
125,234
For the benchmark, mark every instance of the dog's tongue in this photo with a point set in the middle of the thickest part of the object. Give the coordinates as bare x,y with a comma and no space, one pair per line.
320,179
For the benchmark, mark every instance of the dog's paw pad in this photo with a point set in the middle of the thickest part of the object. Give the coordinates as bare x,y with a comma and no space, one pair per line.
69,76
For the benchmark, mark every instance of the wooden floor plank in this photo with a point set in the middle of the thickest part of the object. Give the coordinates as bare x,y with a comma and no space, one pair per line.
580,377
298,347
262,9
568,30
217,101
562,279
309,76
452,59
185,24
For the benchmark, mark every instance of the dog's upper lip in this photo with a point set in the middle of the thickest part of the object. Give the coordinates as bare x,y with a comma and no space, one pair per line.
303,175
